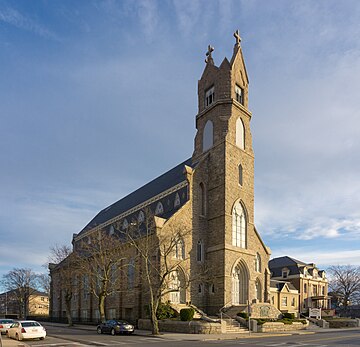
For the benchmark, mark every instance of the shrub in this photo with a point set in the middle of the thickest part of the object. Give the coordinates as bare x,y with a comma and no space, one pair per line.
164,311
260,321
288,315
187,314
243,315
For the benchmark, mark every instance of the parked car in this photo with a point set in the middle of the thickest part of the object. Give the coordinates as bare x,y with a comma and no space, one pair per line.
5,324
114,327
26,329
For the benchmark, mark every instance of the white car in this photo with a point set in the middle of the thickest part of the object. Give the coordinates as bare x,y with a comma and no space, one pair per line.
5,325
26,329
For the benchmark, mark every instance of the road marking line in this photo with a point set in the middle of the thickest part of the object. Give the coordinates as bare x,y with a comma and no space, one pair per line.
98,343
334,338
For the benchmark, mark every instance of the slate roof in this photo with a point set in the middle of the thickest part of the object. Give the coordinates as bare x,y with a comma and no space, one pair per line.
277,264
285,262
295,266
160,184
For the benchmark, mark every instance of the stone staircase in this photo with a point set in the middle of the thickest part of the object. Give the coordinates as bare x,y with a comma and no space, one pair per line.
233,326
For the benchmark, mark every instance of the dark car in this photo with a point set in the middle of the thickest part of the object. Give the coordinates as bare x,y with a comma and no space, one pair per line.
114,327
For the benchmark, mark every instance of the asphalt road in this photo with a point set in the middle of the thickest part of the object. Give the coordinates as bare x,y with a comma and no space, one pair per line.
66,337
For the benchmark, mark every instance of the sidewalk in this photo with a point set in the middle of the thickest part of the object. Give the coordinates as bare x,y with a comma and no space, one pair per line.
6,342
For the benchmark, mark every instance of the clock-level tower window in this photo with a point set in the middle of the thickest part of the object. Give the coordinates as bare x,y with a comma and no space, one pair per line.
239,92
209,96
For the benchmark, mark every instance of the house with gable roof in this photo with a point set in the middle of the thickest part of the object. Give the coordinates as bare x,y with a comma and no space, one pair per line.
311,282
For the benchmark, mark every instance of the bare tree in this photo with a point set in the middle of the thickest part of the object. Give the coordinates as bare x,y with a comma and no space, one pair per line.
44,283
160,248
62,263
99,258
22,283
345,283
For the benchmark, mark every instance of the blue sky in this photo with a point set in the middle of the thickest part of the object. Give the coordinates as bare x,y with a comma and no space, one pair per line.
99,97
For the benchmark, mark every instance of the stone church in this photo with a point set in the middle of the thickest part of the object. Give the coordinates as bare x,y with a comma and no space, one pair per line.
213,194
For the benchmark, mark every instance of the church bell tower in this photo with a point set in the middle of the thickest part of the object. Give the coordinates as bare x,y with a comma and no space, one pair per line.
223,187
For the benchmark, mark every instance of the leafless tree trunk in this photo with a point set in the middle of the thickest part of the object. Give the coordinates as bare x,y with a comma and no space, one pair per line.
161,250
100,258
22,283
63,261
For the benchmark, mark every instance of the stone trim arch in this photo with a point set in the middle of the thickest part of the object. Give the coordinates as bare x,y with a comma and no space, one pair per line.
240,276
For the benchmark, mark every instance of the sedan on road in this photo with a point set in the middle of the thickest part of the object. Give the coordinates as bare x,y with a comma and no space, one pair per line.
5,325
26,329
114,327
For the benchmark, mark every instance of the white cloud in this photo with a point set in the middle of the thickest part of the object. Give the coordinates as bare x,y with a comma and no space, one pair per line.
14,17
148,15
320,257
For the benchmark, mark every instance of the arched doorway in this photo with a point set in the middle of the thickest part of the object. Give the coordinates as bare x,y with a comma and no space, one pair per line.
240,284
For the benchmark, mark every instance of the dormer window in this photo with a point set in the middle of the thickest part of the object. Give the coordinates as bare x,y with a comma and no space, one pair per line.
125,224
159,208
141,217
285,273
177,200
209,96
239,92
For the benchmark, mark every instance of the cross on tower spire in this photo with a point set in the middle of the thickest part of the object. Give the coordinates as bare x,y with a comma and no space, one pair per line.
237,37
209,58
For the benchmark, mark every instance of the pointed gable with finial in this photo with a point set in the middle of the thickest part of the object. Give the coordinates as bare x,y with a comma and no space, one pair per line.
239,74
228,81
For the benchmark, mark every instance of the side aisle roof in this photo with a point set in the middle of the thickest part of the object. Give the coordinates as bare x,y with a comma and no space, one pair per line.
160,184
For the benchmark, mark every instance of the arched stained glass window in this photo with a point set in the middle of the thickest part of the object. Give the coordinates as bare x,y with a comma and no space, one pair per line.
257,263
240,174
240,133
258,290
238,226
208,136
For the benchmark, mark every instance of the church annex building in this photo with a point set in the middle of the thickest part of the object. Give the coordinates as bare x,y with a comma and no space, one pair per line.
212,193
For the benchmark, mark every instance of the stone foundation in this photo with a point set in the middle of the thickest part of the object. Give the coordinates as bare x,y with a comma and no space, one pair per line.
192,327
270,327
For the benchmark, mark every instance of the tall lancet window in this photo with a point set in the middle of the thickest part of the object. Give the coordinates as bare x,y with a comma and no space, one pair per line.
208,136
238,226
240,174
240,134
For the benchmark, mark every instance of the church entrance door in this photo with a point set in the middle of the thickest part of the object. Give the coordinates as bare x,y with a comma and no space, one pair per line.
240,284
